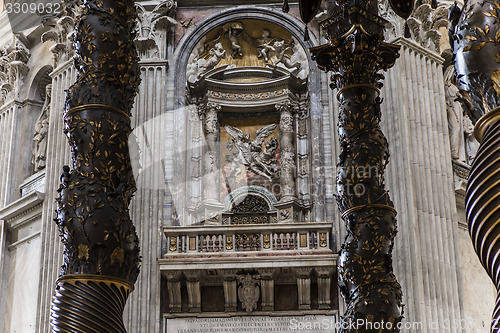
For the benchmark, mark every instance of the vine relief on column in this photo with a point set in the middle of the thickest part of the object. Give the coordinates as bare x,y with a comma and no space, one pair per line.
13,68
40,137
474,37
153,27
62,32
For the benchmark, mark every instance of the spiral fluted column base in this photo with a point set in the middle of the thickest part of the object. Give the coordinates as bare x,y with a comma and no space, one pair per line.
89,304
483,202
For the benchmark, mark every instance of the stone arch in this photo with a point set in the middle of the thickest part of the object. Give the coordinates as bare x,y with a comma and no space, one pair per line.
238,195
193,36
40,81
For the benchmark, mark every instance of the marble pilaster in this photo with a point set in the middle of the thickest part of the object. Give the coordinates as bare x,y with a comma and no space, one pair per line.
304,287
287,151
193,290
420,178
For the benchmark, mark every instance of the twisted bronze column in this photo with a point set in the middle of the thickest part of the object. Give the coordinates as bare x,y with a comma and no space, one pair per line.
355,56
475,38
101,256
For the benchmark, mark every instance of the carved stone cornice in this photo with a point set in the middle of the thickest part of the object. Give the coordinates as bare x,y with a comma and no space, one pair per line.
152,28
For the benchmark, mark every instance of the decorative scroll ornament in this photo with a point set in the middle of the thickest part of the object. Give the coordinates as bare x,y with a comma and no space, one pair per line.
62,32
151,28
474,36
92,214
250,152
249,291
13,68
251,204
356,54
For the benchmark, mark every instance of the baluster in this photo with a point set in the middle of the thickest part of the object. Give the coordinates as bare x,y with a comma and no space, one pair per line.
204,243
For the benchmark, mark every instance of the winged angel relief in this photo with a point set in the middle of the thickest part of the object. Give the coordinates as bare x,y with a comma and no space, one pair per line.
250,153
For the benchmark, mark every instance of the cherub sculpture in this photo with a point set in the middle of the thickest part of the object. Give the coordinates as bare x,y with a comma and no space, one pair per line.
217,54
250,152
281,49
264,45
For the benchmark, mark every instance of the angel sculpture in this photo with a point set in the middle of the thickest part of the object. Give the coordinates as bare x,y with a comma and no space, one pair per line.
281,49
250,152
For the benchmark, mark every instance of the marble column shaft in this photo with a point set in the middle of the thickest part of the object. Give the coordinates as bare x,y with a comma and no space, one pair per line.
287,151
211,129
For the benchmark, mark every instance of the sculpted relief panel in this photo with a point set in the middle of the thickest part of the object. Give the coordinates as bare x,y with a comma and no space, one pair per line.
247,43
249,154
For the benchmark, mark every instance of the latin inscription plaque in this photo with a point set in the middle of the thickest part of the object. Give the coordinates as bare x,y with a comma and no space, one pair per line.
254,324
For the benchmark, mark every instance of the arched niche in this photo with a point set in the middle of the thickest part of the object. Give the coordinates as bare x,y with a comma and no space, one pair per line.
178,176
33,138
247,88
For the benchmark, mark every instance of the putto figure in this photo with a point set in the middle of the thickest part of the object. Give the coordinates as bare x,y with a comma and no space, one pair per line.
250,152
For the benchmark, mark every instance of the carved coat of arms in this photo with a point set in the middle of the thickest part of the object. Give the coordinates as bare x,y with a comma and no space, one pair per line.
248,292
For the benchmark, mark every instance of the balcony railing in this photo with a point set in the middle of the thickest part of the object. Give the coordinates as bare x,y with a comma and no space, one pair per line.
240,238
